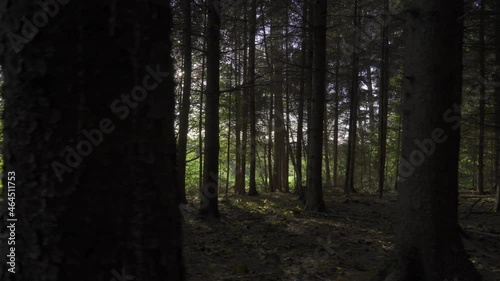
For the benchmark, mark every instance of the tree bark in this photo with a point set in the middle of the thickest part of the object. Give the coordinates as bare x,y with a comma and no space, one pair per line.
314,197
272,188
241,176
383,100
428,242
242,189
251,71
288,152
300,121
497,103
209,205
228,153
361,151
280,175
371,118
328,179
353,96
336,124
482,96
96,186
186,102
398,141
200,116
239,116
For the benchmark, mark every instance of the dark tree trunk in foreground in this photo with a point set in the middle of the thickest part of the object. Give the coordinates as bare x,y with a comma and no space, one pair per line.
209,205
90,137
428,243
252,189
186,102
314,197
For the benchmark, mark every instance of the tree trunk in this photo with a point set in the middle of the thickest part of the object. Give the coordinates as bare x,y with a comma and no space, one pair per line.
240,187
228,154
251,71
482,96
398,142
200,116
245,104
286,160
309,74
314,197
336,124
209,205
94,177
429,245
300,121
272,188
497,102
244,140
186,102
280,175
266,169
239,118
371,118
383,100
328,181
353,96
361,151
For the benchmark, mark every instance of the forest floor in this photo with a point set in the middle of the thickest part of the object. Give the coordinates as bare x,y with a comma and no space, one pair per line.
270,237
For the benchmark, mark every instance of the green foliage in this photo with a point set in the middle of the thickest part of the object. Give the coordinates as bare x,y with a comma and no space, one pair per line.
232,82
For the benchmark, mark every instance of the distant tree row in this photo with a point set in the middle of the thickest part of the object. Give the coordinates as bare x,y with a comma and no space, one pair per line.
270,123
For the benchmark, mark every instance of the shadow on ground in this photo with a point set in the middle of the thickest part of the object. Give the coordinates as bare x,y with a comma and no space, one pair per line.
269,237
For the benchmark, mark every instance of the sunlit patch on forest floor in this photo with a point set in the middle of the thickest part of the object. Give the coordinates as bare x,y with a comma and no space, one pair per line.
269,237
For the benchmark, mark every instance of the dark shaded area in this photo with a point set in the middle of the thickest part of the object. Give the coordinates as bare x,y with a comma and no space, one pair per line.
271,238
89,133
